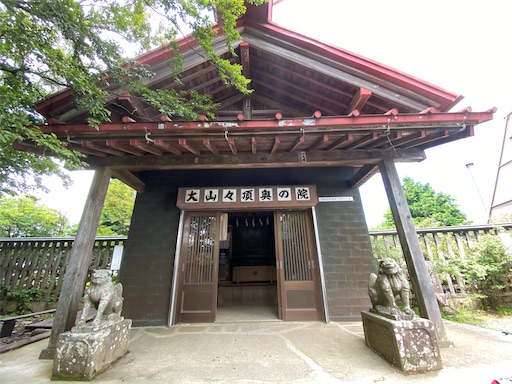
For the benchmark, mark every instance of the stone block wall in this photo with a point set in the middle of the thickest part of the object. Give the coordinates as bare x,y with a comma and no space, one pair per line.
148,262
346,254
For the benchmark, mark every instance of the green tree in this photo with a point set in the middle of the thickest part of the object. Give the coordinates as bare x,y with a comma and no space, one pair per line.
117,210
428,207
49,45
26,217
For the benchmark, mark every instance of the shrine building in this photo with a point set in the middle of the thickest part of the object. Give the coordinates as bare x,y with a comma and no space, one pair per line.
260,207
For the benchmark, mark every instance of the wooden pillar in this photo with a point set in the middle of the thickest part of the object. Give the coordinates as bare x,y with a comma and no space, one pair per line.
79,261
416,265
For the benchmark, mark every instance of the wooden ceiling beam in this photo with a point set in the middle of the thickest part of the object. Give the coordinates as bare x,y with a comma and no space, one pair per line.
363,175
298,141
345,139
86,151
183,143
160,144
362,141
359,100
245,59
262,78
105,149
277,142
129,179
295,95
126,102
146,147
309,79
407,138
278,105
383,139
354,158
254,145
125,148
428,138
210,146
232,145
321,140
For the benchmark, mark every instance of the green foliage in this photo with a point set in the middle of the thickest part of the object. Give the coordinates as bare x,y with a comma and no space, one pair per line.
117,210
49,45
23,297
25,217
428,207
488,270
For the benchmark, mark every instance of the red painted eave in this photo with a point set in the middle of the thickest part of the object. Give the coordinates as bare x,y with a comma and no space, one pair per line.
346,123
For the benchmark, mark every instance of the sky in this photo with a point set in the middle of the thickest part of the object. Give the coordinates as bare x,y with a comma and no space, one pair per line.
463,46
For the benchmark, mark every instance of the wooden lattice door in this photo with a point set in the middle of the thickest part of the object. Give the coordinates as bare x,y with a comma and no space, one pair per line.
297,266
197,299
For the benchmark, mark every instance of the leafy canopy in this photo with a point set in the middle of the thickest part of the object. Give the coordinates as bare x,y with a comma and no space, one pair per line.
428,207
117,210
49,45
26,217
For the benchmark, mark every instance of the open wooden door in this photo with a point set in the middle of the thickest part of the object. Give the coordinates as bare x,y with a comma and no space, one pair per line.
197,295
297,266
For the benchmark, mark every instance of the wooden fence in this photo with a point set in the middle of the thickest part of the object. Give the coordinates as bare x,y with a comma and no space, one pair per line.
28,263
439,245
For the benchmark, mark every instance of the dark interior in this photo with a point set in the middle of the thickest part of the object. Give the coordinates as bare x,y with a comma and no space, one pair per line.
253,239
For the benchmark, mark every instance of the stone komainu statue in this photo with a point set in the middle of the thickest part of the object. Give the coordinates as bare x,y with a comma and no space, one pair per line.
386,287
103,295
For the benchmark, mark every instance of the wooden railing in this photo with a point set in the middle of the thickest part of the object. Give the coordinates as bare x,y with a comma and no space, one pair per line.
39,263
439,245
27,263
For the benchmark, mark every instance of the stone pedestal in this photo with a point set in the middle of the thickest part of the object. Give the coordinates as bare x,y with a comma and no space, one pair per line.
410,345
89,350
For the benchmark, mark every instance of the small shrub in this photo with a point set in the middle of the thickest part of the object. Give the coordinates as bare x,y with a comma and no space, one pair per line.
488,270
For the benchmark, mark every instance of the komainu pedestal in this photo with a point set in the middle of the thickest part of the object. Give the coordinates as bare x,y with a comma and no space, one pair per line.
82,354
90,348
410,345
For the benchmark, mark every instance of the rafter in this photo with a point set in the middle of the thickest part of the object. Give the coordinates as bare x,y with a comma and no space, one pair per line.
298,141
254,146
321,140
232,145
125,148
359,100
146,147
188,147
340,142
362,141
101,148
210,146
247,160
161,144
129,179
363,175
277,142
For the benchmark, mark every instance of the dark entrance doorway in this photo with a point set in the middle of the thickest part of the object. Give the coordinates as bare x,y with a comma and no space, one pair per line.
247,269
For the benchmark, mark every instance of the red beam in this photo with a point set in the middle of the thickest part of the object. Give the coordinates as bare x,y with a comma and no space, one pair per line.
341,123
359,100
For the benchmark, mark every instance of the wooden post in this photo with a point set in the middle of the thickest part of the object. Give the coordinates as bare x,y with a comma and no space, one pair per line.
79,261
416,265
